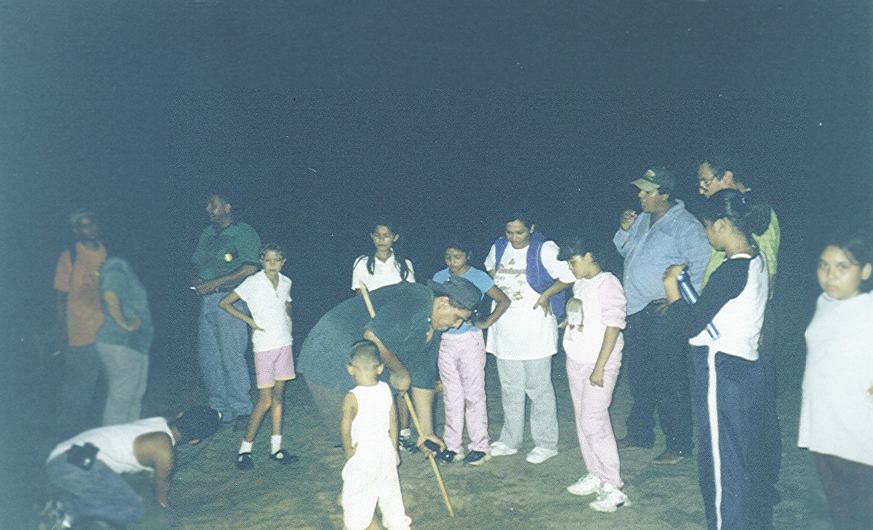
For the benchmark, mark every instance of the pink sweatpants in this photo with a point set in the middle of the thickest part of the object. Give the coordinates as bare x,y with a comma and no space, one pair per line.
593,426
462,371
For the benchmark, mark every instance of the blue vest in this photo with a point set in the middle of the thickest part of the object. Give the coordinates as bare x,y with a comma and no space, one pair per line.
537,276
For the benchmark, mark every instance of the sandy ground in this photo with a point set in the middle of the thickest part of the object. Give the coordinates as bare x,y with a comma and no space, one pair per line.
209,492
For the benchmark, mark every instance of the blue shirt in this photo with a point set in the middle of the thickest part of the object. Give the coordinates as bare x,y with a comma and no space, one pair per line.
475,276
117,276
677,238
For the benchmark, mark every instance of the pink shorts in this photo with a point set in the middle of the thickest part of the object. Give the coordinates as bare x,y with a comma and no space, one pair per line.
274,365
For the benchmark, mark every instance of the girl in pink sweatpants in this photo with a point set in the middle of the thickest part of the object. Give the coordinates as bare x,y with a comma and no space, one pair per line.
462,366
593,349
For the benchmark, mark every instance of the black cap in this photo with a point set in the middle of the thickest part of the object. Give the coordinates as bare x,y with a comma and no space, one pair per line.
198,423
462,291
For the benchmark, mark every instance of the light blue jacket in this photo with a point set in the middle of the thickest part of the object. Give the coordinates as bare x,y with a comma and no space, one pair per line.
677,238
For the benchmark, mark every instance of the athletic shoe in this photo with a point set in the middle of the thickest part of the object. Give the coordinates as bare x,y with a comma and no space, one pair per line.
538,455
609,499
586,485
499,448
407,443
668,458
477,458
448,457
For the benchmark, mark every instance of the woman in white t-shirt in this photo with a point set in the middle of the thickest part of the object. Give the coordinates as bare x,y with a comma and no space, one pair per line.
836,410
385,265
526,336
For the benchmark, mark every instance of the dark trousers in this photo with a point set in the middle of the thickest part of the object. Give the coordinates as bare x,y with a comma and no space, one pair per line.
733,397
656,360
82,368
848,487
770,447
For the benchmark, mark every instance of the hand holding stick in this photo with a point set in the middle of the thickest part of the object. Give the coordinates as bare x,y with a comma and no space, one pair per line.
365,294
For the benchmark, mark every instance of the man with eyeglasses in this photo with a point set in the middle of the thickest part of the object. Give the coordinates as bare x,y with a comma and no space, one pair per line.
713,175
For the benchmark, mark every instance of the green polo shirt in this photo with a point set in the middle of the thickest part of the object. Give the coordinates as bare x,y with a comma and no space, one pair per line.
220,252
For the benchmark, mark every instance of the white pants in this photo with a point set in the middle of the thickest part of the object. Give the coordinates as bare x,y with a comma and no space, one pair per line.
370,476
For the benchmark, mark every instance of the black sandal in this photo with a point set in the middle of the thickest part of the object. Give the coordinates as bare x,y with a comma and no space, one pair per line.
244,461
283,457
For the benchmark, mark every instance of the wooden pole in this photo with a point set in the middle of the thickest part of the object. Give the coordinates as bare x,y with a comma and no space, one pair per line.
365,294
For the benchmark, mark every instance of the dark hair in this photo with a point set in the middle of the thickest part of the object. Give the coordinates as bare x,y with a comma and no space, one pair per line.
459,244
399,258
720,163
746,211
857,246
365,350
517,215
197,423
271,247
602,251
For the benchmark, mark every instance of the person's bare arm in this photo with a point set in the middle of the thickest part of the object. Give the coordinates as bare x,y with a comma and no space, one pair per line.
543,300
610,337
113,306
399,378
422,400
502,303
227,304
232,279
350,410
155,450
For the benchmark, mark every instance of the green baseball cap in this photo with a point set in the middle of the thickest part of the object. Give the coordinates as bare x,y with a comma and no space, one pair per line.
656,178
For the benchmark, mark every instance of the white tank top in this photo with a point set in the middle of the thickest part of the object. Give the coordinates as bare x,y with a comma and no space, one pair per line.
370,426
115,443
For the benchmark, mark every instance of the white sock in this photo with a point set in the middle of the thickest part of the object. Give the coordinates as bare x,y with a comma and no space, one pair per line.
405,433
245,447
275,443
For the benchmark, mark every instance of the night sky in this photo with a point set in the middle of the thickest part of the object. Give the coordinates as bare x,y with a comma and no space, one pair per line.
313,117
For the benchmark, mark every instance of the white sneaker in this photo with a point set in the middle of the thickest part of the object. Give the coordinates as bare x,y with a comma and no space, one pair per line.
609,499
499,448
538,455
586,485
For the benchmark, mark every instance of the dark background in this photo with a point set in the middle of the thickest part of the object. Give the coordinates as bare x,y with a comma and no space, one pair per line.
314,116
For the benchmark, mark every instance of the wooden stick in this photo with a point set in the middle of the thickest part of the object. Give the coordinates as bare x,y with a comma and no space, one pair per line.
365,294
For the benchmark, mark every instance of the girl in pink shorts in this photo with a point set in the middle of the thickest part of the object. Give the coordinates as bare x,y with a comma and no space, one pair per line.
268,296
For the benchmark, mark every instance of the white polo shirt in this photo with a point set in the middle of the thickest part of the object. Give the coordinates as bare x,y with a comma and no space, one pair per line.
384,273
267,306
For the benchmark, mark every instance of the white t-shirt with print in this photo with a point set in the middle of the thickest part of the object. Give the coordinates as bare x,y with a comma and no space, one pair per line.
524,333
384,273
267,306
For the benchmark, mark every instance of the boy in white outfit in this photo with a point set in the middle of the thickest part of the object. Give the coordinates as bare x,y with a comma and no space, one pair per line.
369,436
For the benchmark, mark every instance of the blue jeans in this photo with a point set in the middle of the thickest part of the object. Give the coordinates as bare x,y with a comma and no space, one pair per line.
96,493
221,347
82,369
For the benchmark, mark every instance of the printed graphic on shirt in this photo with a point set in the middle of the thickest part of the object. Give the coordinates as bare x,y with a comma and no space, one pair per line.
511,279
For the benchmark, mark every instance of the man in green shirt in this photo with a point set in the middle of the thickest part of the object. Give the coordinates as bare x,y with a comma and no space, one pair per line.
226,254
714,175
